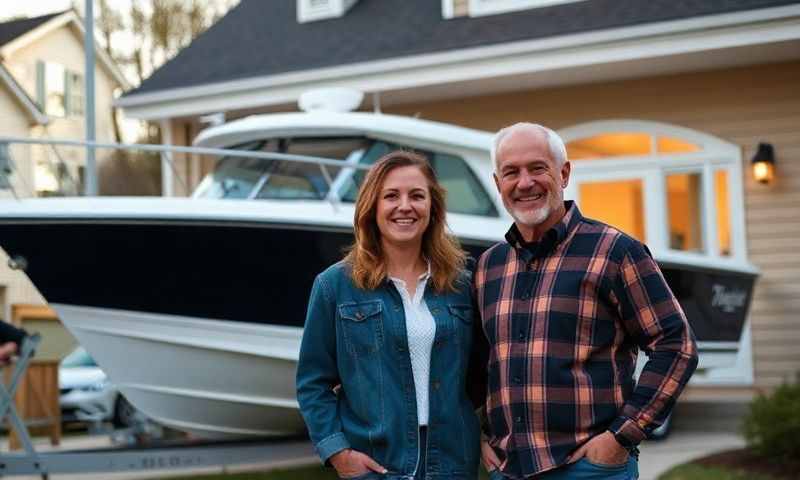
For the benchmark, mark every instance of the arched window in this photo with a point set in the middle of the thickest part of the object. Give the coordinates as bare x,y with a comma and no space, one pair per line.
678,190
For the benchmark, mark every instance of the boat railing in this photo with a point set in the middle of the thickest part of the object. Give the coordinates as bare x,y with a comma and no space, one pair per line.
18,181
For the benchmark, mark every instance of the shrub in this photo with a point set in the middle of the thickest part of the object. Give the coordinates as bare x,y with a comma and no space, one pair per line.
772,428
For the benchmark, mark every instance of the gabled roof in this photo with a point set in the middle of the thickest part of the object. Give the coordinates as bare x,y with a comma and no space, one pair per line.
17,34
13,29
258,38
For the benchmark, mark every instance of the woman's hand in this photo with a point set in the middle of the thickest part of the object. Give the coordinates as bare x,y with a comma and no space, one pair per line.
490,460
350,463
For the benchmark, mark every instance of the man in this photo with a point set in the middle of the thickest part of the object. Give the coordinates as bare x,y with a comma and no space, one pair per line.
565,305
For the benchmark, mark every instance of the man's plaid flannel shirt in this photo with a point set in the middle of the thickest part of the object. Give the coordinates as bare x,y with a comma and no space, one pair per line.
564,319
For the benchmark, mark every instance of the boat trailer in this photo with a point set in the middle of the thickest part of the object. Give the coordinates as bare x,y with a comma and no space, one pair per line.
158,455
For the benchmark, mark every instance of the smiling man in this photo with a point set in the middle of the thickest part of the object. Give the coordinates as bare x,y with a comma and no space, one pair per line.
565,304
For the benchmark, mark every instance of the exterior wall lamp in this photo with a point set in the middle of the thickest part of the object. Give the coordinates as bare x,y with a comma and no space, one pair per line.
764,163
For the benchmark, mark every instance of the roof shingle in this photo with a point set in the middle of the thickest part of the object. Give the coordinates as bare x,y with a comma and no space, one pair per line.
259,38
15,28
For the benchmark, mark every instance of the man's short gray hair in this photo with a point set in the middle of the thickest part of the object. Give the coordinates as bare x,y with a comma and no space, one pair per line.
556,146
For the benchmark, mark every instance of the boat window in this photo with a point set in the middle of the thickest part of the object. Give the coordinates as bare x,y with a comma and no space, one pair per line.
684,208
298,180
464,193
235,177
373,153
627,198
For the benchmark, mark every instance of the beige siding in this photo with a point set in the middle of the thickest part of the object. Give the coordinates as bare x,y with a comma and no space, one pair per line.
14,122
744,106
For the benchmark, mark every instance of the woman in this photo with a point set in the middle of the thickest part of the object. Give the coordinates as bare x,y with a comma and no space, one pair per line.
384,356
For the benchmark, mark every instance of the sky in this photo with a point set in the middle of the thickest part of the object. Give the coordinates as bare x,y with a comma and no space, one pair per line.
35,8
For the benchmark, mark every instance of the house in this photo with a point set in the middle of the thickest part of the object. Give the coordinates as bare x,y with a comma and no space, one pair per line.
663,104
42,96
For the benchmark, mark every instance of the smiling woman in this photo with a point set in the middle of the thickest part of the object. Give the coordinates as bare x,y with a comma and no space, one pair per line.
400,298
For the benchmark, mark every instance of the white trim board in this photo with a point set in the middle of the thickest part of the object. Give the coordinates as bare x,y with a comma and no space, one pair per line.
663,47
27,103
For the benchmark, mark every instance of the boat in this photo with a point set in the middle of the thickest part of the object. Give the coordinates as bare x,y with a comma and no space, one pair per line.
195,306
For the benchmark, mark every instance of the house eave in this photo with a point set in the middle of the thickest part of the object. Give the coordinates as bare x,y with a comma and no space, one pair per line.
663,47
34,114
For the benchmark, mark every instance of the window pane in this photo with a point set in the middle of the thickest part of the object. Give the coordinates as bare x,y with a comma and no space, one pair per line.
235,177
464,193
306,180
54,89
723,212
378,149
619,203
609,145
76,89
675,145
684,204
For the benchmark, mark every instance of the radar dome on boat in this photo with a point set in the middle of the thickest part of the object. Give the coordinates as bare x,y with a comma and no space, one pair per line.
330,100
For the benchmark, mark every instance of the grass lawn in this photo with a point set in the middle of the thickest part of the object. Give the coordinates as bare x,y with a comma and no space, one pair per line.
700,472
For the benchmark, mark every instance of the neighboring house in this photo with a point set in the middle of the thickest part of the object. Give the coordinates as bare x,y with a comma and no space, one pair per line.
663,104
42,96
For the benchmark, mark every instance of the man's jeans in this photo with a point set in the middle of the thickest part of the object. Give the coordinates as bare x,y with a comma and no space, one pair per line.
586,470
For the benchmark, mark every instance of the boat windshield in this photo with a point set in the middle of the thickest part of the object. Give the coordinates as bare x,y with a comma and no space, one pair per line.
236,177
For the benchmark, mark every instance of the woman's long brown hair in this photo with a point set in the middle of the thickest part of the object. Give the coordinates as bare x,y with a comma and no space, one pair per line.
366,257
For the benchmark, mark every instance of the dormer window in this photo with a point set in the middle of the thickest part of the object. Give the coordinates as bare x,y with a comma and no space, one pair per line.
477,8
312,10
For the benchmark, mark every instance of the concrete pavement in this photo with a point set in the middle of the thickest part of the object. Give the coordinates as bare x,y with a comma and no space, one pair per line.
656,458
681,447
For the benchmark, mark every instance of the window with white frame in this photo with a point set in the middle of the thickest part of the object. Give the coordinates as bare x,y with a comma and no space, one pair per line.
73,94
490,7
312,10
59,91
676,189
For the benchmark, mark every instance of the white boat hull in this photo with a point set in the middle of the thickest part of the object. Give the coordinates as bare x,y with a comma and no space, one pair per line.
215,379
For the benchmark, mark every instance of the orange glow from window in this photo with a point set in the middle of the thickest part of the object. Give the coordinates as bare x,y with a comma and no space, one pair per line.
609,145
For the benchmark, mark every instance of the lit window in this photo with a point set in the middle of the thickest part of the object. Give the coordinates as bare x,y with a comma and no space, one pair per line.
609,145
684,206
664,198
675,145
619,203
723,212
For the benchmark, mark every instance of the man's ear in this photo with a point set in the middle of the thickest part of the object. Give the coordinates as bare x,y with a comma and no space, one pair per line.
566,170
496,182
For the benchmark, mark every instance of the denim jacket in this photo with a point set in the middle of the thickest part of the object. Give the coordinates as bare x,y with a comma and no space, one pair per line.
357,339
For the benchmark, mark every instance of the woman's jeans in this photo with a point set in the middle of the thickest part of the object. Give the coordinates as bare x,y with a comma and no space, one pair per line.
586,470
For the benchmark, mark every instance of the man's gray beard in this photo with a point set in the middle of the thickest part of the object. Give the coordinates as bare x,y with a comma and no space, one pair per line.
531,219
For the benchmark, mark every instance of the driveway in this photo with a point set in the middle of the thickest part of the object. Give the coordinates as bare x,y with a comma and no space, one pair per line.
681,447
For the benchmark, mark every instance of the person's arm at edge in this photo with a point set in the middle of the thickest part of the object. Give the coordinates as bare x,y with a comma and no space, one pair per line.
653,317
317,374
